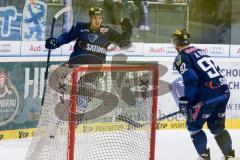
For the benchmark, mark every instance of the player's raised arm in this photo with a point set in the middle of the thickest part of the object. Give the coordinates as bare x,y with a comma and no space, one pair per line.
123,40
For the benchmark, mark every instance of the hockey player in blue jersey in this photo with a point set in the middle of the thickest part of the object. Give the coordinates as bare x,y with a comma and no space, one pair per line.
92,38
203,82
92,42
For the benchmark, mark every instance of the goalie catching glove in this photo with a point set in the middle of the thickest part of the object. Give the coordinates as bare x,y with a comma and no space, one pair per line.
185,106
52,43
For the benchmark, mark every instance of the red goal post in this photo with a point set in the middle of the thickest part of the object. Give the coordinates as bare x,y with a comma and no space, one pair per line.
108,137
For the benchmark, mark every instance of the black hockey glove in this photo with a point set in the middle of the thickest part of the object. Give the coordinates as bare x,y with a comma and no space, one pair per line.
125,44
185,106
51,43
126,25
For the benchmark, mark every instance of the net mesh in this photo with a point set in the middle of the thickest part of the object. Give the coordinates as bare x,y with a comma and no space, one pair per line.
101,96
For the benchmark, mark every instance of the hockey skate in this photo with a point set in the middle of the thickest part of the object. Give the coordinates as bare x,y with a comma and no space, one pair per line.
230,156
205,156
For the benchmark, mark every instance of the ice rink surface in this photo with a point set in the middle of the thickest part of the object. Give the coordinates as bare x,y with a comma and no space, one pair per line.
170,145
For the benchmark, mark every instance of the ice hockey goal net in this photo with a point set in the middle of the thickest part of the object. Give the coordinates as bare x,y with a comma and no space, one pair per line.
80,116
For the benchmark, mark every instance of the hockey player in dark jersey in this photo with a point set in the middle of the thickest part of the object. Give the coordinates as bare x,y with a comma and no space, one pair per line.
92,38
92,41
205,85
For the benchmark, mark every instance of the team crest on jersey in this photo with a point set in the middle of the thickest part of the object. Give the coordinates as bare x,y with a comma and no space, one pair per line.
9,99
178,60
92,37
103,30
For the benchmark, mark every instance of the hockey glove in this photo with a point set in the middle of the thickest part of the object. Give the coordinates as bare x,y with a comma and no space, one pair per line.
185,106
126,25
51,43
125,44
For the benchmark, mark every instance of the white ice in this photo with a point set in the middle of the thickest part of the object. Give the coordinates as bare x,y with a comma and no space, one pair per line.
177,145
170,145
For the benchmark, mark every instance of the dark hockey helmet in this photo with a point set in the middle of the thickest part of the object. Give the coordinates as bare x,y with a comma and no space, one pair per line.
181,37
95,11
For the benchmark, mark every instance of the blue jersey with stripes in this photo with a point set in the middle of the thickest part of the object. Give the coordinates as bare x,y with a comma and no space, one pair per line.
202,78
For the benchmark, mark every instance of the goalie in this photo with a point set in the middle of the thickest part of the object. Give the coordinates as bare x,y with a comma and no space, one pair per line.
203,82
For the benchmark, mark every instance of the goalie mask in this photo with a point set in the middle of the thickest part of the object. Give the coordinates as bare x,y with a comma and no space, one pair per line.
181,37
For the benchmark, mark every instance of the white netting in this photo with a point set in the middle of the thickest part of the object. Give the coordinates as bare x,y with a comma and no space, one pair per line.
101,97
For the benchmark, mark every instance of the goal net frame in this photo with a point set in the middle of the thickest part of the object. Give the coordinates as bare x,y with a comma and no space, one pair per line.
109,68
71,133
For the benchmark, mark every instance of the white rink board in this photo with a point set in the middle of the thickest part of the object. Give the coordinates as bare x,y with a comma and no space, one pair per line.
159,50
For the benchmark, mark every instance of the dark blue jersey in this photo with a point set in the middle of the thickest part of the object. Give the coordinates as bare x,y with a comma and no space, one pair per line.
93,42
202,79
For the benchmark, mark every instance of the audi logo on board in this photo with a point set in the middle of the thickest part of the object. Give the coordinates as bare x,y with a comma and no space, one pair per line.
216,50
170,50
5,48
164,50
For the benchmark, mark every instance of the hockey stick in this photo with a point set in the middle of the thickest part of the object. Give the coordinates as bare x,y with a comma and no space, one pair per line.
139,125
55,17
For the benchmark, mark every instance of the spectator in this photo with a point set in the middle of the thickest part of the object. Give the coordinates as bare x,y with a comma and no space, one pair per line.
139,15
